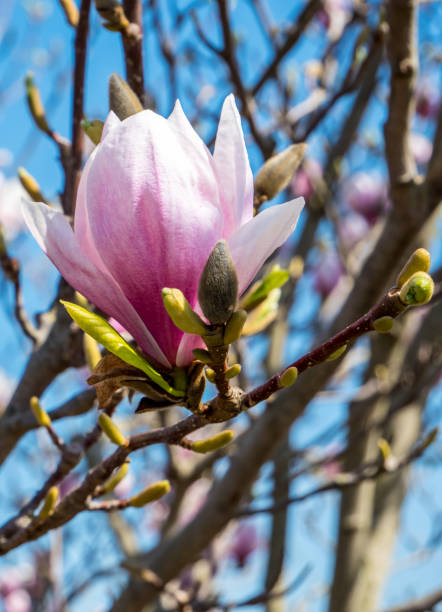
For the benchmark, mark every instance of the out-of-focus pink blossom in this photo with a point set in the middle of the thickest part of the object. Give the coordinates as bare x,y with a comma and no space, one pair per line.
17,601
11,218
352,229
421,148
427,100
244,543
327,273
305,179
152,203
67,484
367,194
334,16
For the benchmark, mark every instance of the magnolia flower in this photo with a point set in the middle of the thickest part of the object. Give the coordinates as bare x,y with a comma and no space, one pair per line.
152,203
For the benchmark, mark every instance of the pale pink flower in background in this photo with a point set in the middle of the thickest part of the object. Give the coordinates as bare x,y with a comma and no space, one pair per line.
327,273
18,601
427,100
152,203
244,542
305,179
366,193
11,218
352,229
421,148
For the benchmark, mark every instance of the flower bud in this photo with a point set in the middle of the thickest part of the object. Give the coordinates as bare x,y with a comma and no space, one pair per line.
113,14
111,430
122,99
202,355
35,104
49,503
232,371
383,325
417,290
288,377
210,374
336,354
277,172
181,313
31,186
116,478
91,351
218,285
40,414
71,11
150,494
419,261
93,129
234,326
213,443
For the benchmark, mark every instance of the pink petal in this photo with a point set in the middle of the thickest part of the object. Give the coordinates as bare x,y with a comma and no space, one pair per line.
255,241
56,238
233,169
154,215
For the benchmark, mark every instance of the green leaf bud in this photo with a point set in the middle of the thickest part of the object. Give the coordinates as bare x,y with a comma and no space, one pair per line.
383,325
40,414
31,186
232,371
288,377
210,374
111,430
202,355
276,173
116,478
181,313
234,326
218,285
213,443
260,290
419,261
122,99
93,129
417,290
150,494
49,503
336,354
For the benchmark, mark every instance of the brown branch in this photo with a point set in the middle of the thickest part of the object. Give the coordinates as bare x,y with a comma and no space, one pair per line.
132,37
423,604
73,162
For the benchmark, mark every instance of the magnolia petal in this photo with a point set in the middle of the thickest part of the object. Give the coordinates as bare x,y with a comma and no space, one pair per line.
233,168
53,233
187,135
154,215
255,241
111,121
184,354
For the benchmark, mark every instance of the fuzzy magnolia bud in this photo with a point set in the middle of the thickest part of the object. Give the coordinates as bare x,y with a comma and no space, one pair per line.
383,325
288,377
40,414
213,443
35,104
234,326
150,494
336,354
218,285
30,185
122,99
419,261
49,503
181,313
111,430
116,478
417,290
93,129
277,172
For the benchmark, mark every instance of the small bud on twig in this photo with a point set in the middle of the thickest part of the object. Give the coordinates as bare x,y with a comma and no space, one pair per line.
418,290
213,443
288,377
202,355
31,186
419,261
114,480
35,105
49,503
150,494
71,11
218,285
277,172
234,326
383,325
336,354
210,374
122,99
111,430
40,414
232,371
181,313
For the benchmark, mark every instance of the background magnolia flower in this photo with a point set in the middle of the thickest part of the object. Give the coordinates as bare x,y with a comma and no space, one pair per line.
152,202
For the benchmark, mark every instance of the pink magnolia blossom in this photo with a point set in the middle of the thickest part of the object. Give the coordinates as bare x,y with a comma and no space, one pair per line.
152,203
